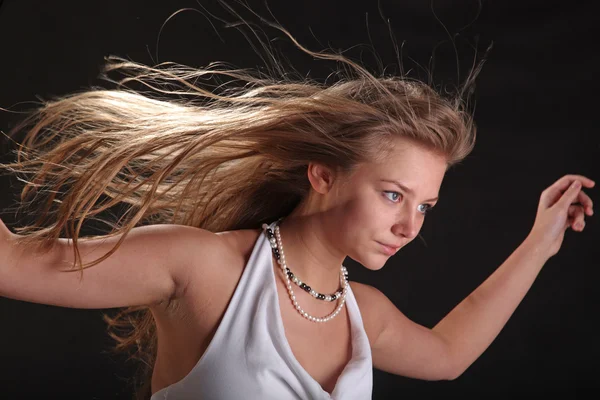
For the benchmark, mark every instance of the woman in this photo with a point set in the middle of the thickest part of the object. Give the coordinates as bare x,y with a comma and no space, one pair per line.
240,206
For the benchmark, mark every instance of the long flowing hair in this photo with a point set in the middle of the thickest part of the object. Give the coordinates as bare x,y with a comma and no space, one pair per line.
180,150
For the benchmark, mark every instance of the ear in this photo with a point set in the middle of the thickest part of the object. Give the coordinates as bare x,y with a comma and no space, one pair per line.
321,177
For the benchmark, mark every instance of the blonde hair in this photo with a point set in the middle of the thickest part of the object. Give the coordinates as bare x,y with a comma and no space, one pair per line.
223,158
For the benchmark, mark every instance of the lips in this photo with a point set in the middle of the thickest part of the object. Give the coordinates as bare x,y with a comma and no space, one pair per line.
388,248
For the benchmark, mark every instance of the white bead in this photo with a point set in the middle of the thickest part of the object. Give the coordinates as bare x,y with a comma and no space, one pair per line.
340,296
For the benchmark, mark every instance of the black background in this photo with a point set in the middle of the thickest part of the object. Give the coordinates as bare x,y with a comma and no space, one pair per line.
537,120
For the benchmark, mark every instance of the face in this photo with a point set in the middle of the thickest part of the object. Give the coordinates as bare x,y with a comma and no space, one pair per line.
381,206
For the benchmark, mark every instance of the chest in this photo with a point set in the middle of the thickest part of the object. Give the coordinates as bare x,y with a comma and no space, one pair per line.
322,349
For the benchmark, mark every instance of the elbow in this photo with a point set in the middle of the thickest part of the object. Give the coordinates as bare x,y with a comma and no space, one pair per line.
454,368
453,374
451,371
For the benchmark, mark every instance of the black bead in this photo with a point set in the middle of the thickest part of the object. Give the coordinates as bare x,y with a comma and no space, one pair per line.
307,288
333,297
277,256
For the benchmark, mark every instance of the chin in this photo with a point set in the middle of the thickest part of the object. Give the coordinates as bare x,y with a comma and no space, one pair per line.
373,262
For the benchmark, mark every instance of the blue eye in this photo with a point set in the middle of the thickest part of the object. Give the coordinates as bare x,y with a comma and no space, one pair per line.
394,199
424,208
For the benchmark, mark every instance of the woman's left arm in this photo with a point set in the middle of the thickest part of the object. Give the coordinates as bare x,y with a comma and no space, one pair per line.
475,322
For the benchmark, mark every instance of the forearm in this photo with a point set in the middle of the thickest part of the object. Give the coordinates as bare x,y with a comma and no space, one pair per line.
475,322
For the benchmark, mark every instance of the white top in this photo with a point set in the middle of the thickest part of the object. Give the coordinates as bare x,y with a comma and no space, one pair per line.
250,358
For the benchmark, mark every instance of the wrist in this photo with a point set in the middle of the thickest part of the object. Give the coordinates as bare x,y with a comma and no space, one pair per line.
537,248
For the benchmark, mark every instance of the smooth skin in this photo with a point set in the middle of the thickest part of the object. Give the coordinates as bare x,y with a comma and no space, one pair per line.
181,271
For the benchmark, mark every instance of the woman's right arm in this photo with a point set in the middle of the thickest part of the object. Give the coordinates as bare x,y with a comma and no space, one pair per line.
150,267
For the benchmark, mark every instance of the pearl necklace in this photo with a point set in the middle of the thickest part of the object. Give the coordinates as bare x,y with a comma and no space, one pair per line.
289,277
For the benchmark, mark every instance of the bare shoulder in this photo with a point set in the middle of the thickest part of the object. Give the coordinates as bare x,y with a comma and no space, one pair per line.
198,242
202,245
199,253
399,345
240,242
372,304
368,297
214,257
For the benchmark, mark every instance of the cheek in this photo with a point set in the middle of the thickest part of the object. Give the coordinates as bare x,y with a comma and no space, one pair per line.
362,215
346,222
362,221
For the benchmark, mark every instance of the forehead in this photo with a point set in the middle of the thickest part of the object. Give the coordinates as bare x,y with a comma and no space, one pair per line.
411,163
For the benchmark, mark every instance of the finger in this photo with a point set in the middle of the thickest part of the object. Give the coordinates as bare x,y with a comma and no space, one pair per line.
576,217
551,195
585,181
586,202
569,196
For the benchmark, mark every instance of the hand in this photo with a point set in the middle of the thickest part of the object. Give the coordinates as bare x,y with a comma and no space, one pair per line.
562,205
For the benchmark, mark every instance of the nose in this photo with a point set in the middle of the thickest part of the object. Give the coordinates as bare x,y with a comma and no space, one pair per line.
408,225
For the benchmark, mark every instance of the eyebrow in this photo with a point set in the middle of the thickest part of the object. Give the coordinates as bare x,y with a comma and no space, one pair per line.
406,189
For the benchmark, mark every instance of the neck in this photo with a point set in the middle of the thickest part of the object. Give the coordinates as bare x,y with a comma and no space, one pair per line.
310,252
